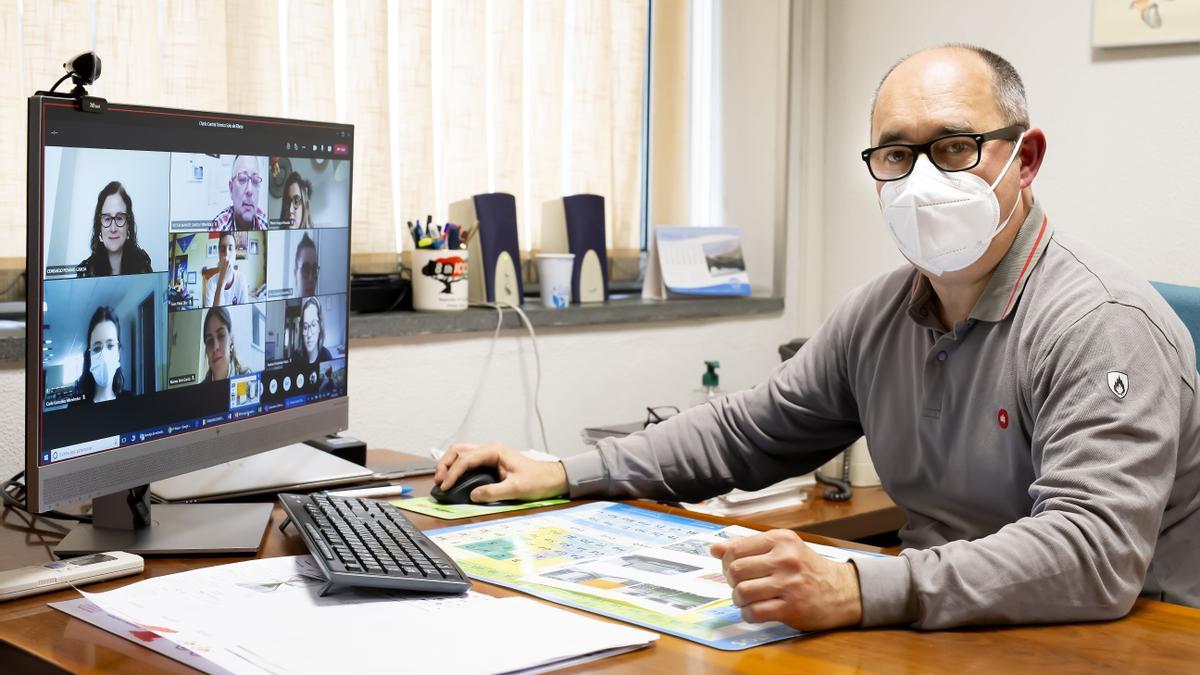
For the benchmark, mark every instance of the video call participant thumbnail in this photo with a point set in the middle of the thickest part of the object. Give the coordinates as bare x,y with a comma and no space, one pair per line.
304,264
306,331
309,192
223,193
216,344
229,283
92,327
332,379
105,212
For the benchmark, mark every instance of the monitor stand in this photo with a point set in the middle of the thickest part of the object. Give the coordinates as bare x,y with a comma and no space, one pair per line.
124,522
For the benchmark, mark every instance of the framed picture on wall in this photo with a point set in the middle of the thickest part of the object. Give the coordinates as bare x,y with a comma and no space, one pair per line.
1126,23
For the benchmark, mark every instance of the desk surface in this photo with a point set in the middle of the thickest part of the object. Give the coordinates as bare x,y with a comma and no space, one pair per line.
1154,637
867,513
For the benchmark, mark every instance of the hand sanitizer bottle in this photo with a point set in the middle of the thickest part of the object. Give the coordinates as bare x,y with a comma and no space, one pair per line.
709,388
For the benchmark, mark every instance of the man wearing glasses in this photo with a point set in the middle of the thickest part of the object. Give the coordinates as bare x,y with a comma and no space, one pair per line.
1030,403
243,212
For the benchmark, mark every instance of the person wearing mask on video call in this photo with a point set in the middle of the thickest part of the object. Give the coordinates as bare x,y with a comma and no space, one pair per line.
227,286
297,193
306,270
243,212
312,335
114,244
219,347
102,378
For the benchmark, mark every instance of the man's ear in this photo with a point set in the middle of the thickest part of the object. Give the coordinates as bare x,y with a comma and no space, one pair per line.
1033,150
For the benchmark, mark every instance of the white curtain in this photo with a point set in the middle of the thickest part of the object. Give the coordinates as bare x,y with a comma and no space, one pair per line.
449,98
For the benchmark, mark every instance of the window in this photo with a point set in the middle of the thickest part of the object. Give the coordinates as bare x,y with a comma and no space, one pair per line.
539,98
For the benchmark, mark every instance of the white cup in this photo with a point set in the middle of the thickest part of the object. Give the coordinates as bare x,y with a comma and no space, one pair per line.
439,280
554,275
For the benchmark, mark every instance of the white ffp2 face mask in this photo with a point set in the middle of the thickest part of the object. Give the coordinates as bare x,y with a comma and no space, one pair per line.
105,367
943,222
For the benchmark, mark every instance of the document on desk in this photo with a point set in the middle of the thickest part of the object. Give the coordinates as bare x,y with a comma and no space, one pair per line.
264,616
645,567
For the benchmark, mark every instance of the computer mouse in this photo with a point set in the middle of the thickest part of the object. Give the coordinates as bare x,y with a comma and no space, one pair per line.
460,493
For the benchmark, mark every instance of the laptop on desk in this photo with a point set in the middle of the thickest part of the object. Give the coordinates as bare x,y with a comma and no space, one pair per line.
296,467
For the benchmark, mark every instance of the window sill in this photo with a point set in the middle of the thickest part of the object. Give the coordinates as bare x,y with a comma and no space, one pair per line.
620,310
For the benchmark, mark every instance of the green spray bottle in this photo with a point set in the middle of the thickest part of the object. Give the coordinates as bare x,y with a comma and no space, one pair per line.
709,385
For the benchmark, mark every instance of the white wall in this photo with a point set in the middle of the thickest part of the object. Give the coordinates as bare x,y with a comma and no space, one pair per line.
1120,126
412,394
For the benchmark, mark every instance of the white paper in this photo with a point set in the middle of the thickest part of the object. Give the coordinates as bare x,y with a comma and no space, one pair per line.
264,616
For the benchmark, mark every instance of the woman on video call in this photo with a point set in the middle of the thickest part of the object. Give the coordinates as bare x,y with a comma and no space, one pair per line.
102,379
115,247
296,194
312,335
218,346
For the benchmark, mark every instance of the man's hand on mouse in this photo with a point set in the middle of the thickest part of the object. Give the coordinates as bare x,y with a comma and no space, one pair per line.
776,577
521,478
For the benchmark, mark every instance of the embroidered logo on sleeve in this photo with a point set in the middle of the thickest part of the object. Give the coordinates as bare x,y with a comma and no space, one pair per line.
1118,383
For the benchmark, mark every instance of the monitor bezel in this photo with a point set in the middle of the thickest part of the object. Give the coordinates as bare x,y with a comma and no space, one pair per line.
218,444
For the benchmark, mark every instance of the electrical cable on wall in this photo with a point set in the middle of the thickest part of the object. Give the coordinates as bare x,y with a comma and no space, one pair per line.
537,385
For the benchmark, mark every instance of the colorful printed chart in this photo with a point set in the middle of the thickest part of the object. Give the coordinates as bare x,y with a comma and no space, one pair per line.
644,567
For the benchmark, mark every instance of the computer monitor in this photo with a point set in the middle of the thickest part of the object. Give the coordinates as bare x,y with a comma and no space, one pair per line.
188,301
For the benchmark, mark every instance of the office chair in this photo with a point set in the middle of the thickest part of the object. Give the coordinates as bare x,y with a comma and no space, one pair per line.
1185,300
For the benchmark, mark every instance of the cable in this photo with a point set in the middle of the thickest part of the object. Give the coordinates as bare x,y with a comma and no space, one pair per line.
537,360
13,491
537,383
16,280
841,487
60,81
487,364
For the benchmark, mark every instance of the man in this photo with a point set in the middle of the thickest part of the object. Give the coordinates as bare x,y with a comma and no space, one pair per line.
243,212
306,270
226,286
1030,403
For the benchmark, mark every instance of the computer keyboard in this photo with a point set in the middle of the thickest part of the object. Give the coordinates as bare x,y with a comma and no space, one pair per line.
366,542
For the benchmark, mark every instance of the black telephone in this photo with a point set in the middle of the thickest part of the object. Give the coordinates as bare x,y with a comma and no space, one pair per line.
840,488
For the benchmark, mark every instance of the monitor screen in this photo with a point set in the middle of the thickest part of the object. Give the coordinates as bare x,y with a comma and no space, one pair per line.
194,272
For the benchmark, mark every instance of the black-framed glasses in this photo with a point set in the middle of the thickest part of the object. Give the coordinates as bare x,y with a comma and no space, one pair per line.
116,220
954,152
659,413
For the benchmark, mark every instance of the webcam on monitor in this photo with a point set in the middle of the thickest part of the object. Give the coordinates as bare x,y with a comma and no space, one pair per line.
83,69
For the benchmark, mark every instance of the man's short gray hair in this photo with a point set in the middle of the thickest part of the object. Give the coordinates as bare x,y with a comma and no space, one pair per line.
1006,84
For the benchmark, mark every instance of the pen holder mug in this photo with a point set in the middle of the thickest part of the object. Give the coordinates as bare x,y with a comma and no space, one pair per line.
439,280
554,276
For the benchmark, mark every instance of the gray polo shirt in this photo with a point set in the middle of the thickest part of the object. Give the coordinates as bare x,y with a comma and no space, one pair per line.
1046,451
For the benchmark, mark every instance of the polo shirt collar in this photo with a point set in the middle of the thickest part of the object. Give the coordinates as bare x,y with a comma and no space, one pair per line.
1008,280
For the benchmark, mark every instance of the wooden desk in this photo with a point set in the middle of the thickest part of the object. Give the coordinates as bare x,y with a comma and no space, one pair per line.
867,513
1155,637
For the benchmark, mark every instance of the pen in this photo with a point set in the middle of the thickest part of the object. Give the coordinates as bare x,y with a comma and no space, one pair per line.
386,491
